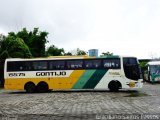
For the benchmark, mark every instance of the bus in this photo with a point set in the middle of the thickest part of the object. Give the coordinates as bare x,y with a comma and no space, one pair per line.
68,73
152,74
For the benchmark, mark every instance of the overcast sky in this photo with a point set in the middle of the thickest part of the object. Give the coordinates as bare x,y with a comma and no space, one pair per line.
124,27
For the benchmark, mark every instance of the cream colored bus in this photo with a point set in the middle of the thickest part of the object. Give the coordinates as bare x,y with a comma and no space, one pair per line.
66,73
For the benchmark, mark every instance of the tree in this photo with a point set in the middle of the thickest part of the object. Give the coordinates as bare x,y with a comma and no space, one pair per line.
77,52
81,52
35,40
54,51
14,47
107,54
143,65
2,73
2,38
24,44
68,54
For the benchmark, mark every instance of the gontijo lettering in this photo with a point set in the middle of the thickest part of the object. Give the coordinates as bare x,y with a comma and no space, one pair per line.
60,73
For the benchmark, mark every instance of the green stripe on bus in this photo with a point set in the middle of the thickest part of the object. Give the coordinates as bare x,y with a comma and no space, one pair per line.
83,79
94,79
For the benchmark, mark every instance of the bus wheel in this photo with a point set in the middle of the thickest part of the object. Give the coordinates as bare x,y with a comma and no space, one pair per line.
114,86
30,87
42,87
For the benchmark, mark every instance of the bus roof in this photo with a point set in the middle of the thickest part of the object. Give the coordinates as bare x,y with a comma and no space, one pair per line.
63,57
154,63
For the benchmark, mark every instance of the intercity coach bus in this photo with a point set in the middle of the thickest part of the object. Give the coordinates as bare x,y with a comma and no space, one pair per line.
66,73
152,74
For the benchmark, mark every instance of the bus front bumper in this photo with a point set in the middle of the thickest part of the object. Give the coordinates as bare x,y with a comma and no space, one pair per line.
135,84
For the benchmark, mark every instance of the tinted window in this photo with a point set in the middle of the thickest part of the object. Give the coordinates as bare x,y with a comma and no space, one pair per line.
92,64
56,65
111,63
74,64
39,65
131,61
131,68
19,66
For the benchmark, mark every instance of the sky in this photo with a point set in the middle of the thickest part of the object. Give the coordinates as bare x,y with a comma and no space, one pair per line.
123,27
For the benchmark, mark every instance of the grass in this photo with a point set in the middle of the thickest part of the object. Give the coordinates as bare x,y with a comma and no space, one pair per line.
137,94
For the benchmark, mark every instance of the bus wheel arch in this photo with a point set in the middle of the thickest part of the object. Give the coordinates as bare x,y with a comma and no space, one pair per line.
30,87
42,87
114,85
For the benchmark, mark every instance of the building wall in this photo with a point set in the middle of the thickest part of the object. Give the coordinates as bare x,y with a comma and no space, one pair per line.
93,52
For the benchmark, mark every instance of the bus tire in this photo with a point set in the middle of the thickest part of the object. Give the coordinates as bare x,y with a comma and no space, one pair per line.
30,87
42,87
114,86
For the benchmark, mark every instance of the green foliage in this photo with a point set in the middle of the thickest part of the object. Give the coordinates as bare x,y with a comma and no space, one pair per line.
35,40
25,35
76,52
32,43
2,73
143,65
107,54
81,52
23,44
2,38
14,47
68,54
54,51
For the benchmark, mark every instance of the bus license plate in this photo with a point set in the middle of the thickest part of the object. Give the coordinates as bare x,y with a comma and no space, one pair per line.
132,84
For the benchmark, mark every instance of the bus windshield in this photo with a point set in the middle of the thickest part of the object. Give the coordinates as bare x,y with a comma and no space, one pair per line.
131,68
155,69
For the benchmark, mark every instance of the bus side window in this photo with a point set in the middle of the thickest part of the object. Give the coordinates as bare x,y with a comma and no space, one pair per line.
88,64
116,63
92,64
20,66
74,64
106,63
54,65
111,63
96,63
17,66
40,65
